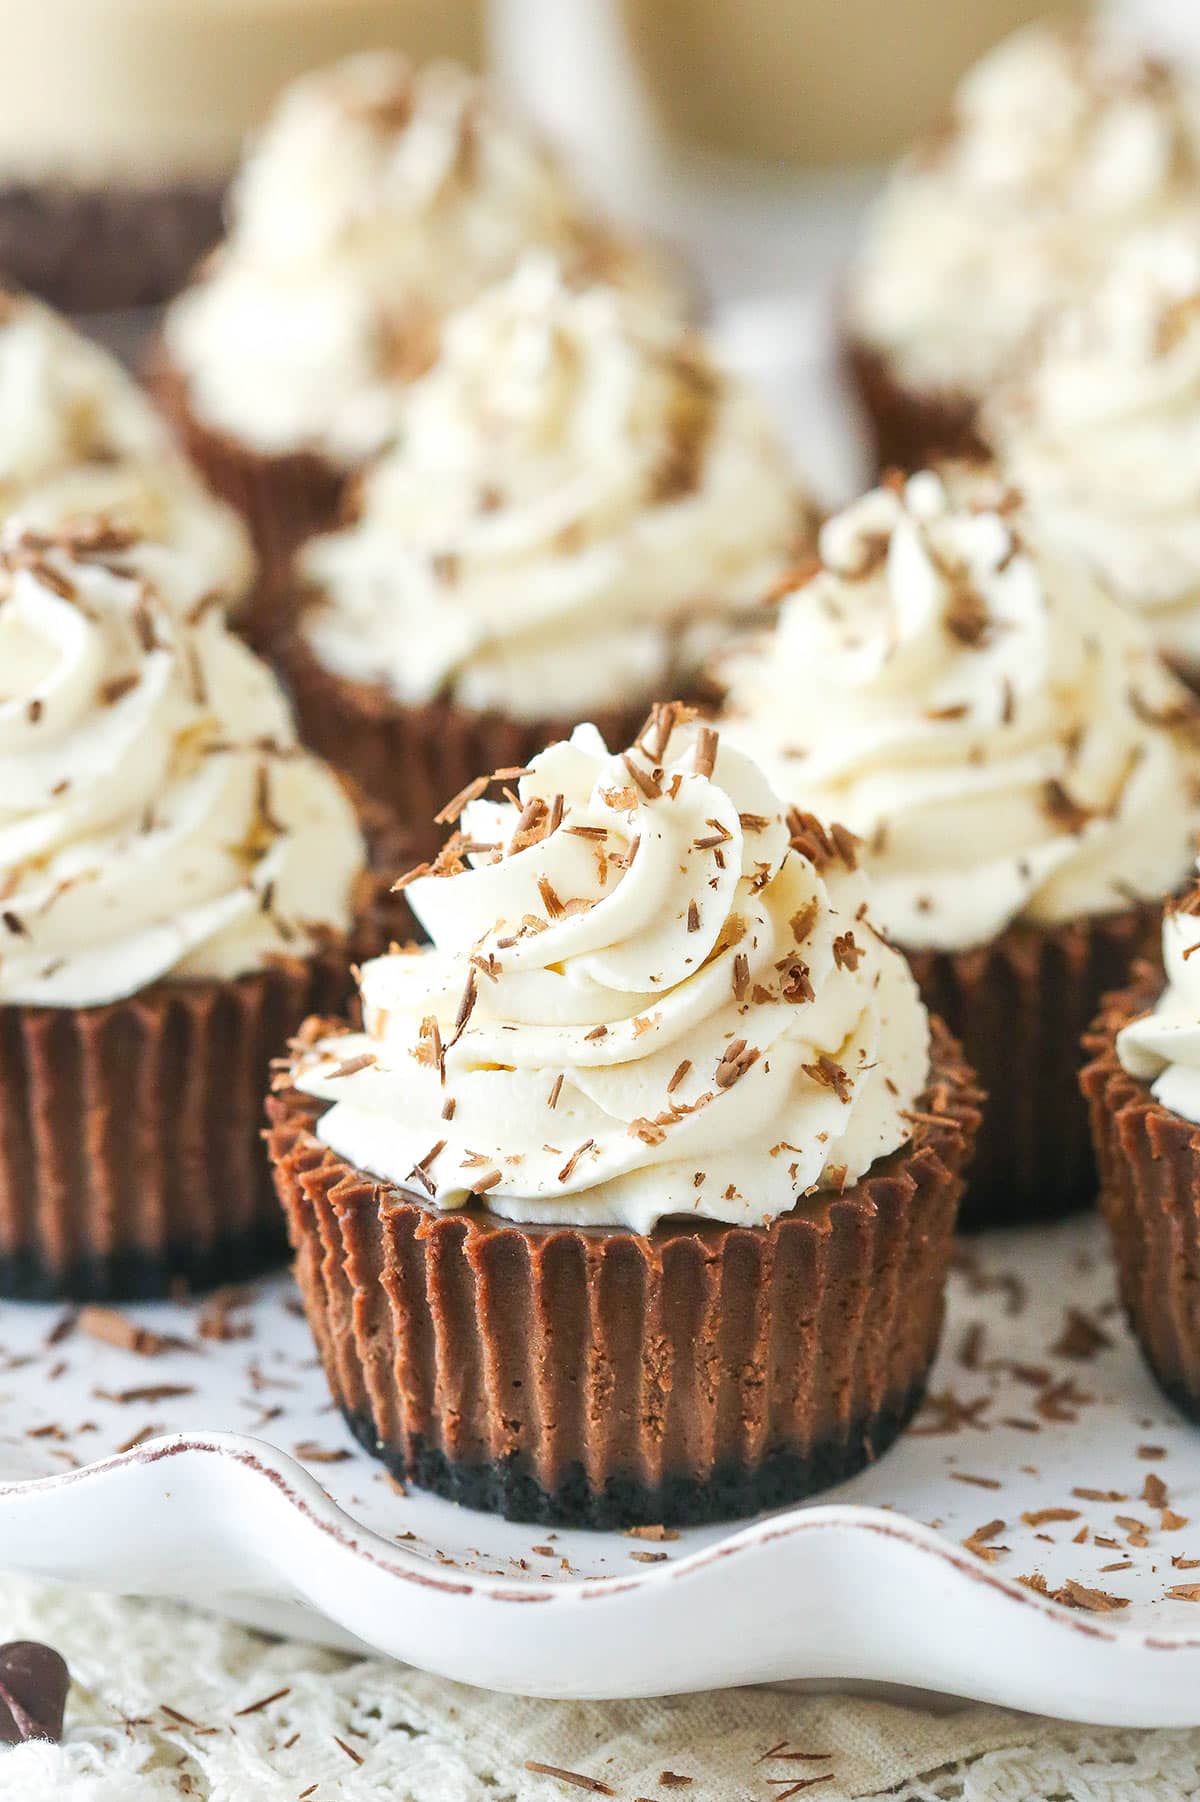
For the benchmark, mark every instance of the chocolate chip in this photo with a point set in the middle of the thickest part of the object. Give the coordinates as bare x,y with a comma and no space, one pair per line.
34,1681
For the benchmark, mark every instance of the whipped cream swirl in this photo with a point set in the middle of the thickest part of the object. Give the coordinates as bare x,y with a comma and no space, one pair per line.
647,994
1102,436
377,199
81,441
157,817
1163,1047
580,502
995,727
1059,144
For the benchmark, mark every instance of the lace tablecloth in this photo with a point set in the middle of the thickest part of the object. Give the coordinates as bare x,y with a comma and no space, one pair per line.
167,1704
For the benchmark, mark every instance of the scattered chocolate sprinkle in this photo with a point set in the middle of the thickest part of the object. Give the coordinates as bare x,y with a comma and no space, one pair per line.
830,1075
681,1071
846,954
263,1702
1038,1517
967,619
705,755
650,1557
351,1754
15,924
487,1182
568,1169
139,1438
1179,1562
1099,1495
963,1476
449,814
649,781
741,976
576,1778
1096,1601
312,1453
1183,1592
653,1533
1060,1402
114,1328
735,1061
673,1780
1154,1490
945,1413
148,1392
351,1066
555,1091
846,844
1081,1337
1151,1451
693,916
978,1542
1062,808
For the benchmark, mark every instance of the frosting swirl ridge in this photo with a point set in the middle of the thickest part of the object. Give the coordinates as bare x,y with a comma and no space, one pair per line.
647,994
579,502
156,814
998,731
82,441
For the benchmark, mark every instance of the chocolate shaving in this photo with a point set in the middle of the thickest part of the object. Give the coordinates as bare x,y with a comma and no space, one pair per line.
681,1071
115,1328
312,1453
575,1778
1062,808
568,1169
830,1075
705,755
449,814
1081,1337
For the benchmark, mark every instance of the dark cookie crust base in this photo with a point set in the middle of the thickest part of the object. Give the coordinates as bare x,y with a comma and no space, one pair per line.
90,250
732,1492
142,1275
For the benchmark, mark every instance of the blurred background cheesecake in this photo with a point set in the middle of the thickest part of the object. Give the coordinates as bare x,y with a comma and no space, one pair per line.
122,121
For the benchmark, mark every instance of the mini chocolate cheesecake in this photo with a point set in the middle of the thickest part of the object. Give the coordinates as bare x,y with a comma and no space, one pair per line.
182,884
633,1200
581,504
378,199
1024,773
1009,207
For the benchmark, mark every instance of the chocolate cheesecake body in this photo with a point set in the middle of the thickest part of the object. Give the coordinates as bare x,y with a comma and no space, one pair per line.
595,1377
